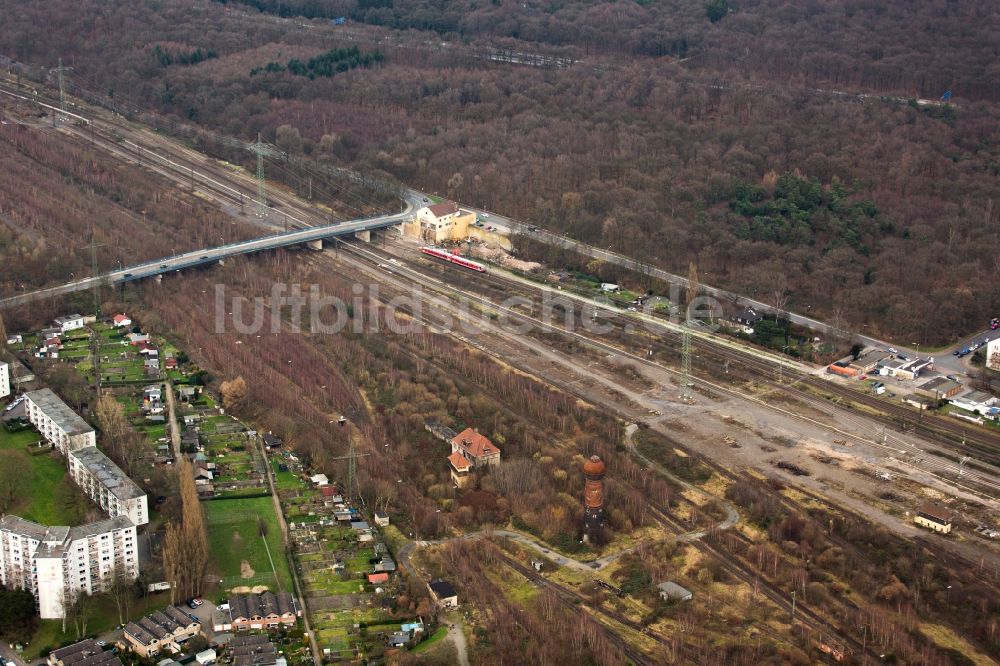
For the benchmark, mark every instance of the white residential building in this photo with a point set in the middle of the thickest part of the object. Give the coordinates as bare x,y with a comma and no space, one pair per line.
69,322
95,473
56,563
59,424
4,379
105,483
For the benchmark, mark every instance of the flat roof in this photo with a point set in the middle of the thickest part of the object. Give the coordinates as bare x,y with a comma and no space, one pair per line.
27,528
872,355
942,384
53,541
976,396
100,527
109,474
52,405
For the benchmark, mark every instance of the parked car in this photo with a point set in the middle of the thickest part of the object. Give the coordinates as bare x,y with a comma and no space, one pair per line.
994,323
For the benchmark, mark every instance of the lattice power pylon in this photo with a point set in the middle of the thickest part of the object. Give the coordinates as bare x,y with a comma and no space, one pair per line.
261,149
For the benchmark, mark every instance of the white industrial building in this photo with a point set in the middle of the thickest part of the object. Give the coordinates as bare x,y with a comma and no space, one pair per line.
4,379
69,322
57,563
59,424
105,483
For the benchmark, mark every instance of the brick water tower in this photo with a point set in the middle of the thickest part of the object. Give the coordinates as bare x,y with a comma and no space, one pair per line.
593,496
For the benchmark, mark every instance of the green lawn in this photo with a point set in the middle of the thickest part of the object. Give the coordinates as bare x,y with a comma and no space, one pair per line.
233,537
286,480
39,474
435,638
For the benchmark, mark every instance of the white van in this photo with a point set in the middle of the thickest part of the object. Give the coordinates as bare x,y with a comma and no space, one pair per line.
878,388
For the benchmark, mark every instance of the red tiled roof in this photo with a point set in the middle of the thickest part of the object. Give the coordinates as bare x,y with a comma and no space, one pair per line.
475,444
458,462
120,318
444,208
328,491
378,577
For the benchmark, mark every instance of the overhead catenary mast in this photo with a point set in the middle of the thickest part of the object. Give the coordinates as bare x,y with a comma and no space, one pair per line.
692,293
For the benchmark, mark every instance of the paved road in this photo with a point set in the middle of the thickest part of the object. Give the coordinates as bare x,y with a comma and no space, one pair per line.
210,255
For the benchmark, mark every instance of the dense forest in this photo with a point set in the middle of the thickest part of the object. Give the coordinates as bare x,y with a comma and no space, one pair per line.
784,146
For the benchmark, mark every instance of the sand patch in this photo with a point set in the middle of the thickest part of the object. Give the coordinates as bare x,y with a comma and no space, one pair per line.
246,571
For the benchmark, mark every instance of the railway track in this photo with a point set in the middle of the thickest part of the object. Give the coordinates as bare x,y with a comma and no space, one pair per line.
736,568
899,451
183,166
755,581
571,599
180,167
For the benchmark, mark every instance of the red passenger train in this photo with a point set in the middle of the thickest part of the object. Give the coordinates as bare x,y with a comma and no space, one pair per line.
438,253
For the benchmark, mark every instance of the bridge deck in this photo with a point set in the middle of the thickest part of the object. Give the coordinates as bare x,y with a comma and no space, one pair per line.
211,255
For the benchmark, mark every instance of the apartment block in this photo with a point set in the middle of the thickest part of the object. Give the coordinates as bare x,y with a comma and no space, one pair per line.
105,483
57,563
59,424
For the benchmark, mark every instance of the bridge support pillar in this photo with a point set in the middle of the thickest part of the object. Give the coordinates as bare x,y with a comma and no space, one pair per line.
366,236
315,245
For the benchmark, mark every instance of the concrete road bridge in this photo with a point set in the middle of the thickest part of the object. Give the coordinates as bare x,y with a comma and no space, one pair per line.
310,236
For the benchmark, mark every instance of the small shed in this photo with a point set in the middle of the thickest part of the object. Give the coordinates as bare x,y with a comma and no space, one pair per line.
206,657
444,593
672,591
